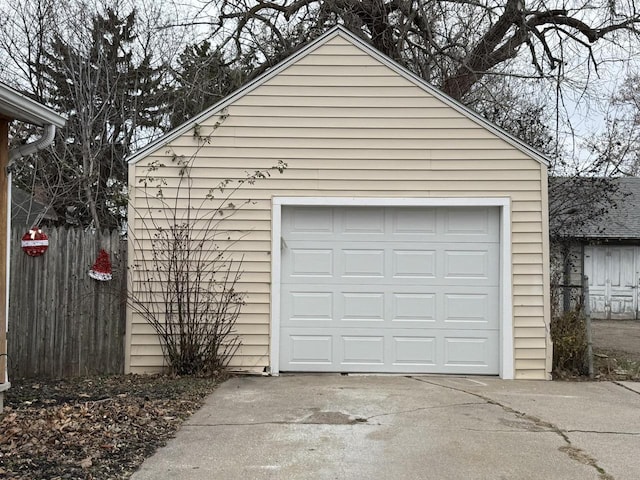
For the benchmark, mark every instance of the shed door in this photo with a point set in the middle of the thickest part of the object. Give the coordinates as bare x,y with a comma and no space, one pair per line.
398,289
613,280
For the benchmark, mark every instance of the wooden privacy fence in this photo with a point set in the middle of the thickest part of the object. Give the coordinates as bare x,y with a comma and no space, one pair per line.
61,321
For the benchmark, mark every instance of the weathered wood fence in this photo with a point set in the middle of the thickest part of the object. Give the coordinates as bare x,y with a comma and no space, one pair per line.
61,321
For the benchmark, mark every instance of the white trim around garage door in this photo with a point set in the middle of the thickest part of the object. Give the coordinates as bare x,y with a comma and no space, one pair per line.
506,320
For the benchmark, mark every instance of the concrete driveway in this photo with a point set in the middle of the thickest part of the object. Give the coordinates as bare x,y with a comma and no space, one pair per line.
394,427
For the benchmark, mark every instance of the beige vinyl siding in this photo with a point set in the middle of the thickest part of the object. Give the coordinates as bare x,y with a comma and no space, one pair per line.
349,126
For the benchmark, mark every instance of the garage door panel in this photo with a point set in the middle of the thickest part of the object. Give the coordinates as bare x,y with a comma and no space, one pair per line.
467,264
362,263
414,351
396,307
398,263
465,223
358,306
310,306
310,349
318,222
393,351
362,350
309,262
413,222
413,263
390,290
413,307
467,307
361,221
470,352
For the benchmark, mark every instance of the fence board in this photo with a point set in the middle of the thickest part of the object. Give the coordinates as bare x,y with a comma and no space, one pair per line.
61,321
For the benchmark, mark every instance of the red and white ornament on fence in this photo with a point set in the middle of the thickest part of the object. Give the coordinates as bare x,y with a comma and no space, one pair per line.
35,242
101,269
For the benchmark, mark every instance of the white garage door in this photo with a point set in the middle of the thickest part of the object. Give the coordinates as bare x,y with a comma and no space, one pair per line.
398,289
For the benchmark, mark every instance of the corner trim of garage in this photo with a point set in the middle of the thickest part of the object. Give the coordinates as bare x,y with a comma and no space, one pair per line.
506,320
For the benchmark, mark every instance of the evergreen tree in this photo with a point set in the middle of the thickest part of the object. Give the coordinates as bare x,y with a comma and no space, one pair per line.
201,79
110,94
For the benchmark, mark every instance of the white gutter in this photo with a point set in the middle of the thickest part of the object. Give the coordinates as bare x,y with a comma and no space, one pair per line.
16,106
32,147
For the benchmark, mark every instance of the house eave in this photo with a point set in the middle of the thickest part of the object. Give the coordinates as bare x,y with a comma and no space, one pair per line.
16,106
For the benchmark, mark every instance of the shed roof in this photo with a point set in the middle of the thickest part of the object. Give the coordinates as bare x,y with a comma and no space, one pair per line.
16,106
620,220
359,43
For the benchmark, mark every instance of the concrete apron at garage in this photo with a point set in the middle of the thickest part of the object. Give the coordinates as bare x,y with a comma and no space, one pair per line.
421,427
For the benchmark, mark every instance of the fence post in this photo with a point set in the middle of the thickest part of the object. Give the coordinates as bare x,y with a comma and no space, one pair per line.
587,317
566,278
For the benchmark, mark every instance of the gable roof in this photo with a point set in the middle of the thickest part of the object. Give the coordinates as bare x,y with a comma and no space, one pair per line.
16,106
339,31
620,219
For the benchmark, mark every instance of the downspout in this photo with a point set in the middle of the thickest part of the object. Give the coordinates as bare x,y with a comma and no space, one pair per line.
28,148
14,154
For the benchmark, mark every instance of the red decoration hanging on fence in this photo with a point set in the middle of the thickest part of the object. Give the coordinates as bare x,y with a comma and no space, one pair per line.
101,269
35,242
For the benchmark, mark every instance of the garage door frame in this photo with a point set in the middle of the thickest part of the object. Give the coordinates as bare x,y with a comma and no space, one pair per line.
504,205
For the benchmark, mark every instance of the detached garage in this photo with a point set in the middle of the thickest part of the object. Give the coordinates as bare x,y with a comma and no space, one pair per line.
406,235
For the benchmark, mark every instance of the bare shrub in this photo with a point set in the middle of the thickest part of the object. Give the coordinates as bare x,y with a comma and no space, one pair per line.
185,282
569,336
568,322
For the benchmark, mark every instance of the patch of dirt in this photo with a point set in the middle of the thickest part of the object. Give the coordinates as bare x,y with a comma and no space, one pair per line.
617,336
616,345
92,428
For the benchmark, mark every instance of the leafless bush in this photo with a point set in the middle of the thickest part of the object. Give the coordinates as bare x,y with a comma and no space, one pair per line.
568,324
185,282
569,336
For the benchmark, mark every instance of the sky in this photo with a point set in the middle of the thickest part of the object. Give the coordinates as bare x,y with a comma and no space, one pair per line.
584,103
582,112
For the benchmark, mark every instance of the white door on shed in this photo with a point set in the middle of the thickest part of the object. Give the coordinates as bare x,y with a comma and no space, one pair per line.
395,289
613,281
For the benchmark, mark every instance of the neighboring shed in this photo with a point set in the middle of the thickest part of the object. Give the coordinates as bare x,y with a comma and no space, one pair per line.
406,235
607,250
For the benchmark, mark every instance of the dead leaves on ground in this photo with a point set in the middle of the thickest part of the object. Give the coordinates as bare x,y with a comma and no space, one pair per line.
93,428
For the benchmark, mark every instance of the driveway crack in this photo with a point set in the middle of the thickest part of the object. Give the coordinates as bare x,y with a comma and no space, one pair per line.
329,418
242,424
605,432
569,449
626,388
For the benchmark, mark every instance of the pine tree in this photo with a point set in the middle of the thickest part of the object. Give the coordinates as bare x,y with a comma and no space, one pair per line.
110,93
201,79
